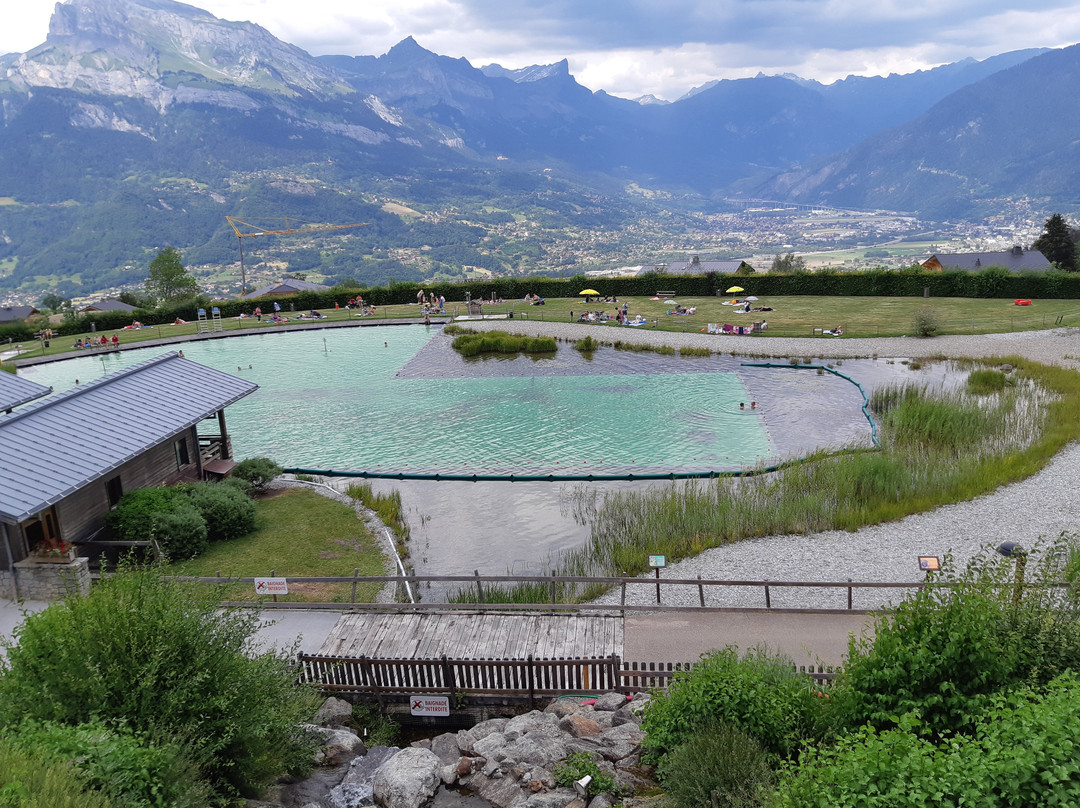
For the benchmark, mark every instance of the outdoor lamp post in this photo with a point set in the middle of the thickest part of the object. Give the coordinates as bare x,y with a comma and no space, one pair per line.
1011,549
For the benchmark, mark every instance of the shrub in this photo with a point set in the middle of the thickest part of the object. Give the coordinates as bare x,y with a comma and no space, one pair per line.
718,767
133,516
586,345
948,648
31,780
925,322
130,769
257,471
761,695
581,764
139,650
228,513
243,486
1021,753
181,533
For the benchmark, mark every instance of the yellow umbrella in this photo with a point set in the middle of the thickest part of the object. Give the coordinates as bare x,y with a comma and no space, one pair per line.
588,292
735,289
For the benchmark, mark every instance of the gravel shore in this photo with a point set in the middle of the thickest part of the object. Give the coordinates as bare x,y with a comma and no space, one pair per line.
1043,505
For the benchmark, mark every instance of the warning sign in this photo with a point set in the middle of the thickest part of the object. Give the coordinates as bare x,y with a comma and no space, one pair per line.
429,705
271,586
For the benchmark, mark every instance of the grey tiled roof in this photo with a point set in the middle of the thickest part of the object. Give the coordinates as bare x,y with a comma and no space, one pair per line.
287,287
108,304
1014,260
15,390
60,444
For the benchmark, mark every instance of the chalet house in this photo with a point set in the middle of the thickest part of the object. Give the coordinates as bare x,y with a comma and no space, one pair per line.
1014,260
16,314
290,286
68,458
108,304
695,266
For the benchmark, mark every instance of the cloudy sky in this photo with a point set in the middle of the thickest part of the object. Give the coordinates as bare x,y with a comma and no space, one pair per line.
634,47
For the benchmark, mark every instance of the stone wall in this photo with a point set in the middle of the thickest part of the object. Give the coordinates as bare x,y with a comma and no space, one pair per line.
46,581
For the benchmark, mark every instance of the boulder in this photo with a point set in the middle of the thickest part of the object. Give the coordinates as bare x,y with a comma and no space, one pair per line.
602,801
534,721
565,707
609,702
445,747
407,780
502,792
537,748
490,747
334,713
560,798
621,741
337,745
580,727
356,787
624,715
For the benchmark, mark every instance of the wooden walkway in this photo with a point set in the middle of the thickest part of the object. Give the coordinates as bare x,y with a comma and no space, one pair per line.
426,635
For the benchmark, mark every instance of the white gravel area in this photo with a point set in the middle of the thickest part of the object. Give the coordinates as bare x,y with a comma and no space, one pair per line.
1043,505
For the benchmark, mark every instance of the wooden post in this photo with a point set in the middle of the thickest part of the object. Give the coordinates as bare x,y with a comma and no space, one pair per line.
448,676
532,683
701,592
553,596
623,593
479,587
275,594
768,599
224,435
658,586
355,575
849,595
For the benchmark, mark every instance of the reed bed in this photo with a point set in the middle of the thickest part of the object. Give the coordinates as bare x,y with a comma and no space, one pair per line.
937,448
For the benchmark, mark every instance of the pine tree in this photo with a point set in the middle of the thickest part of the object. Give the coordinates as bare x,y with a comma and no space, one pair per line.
1057,244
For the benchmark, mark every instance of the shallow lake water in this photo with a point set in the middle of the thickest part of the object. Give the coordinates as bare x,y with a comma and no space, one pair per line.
400,399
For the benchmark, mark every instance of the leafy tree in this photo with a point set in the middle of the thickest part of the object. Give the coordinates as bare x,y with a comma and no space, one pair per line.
54,302
1056,243
168,280
789,263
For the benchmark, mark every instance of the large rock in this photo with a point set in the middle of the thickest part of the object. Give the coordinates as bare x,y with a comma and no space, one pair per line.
621,742
536,748
565,707
610,702
534,721
334,712
552,799
337,745
408,779
356,788
580,727
314,789
625,715
446,748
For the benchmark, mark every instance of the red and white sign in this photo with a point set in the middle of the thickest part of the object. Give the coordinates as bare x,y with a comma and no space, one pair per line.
271,586
429,705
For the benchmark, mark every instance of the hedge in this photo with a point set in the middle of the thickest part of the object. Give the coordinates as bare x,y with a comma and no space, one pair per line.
991,282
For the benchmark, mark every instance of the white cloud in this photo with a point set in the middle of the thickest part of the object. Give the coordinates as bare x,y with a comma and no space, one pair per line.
663,47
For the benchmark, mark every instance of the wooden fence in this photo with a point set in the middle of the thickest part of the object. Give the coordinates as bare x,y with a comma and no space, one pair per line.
518,678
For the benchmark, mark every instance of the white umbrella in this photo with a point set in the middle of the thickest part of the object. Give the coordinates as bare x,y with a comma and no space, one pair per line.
750,298
672,302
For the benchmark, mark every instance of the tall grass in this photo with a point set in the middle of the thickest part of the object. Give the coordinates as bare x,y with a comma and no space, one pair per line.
938,448
388,508
503,343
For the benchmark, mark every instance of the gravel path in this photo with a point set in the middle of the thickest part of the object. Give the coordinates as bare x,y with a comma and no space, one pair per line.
1043,505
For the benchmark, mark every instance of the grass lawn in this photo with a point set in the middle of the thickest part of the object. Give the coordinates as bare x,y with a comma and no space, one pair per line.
795,316
298,532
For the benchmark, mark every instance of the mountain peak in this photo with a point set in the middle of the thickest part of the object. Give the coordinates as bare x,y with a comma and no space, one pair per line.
521,75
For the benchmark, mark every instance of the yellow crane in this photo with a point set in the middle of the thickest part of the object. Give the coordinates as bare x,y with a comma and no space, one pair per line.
248,228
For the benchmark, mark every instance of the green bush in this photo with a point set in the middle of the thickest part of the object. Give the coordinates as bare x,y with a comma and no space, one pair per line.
586,345
503,343
925,322
578,765
760,694
257,471
31,780
133,517
1022,753
229,514
139,650
718,767
130,769
181,533
946,650
243,486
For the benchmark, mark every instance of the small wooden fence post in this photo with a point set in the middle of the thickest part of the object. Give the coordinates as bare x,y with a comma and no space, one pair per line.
479,587
355,575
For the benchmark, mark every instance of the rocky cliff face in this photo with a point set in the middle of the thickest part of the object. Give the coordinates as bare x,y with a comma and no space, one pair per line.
163,52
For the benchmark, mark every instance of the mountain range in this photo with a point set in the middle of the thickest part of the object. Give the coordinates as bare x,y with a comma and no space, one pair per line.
141,123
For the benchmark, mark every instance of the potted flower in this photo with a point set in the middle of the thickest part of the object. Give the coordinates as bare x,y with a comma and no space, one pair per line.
54,552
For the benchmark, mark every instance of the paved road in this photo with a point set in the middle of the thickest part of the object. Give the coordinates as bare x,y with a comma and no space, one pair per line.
809,639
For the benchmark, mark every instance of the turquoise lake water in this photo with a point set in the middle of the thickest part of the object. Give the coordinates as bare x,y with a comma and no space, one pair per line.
399,399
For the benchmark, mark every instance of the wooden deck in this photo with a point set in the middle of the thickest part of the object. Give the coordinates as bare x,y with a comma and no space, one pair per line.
431,635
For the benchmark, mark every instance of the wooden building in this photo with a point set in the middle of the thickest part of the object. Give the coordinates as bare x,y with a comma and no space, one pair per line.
68,458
